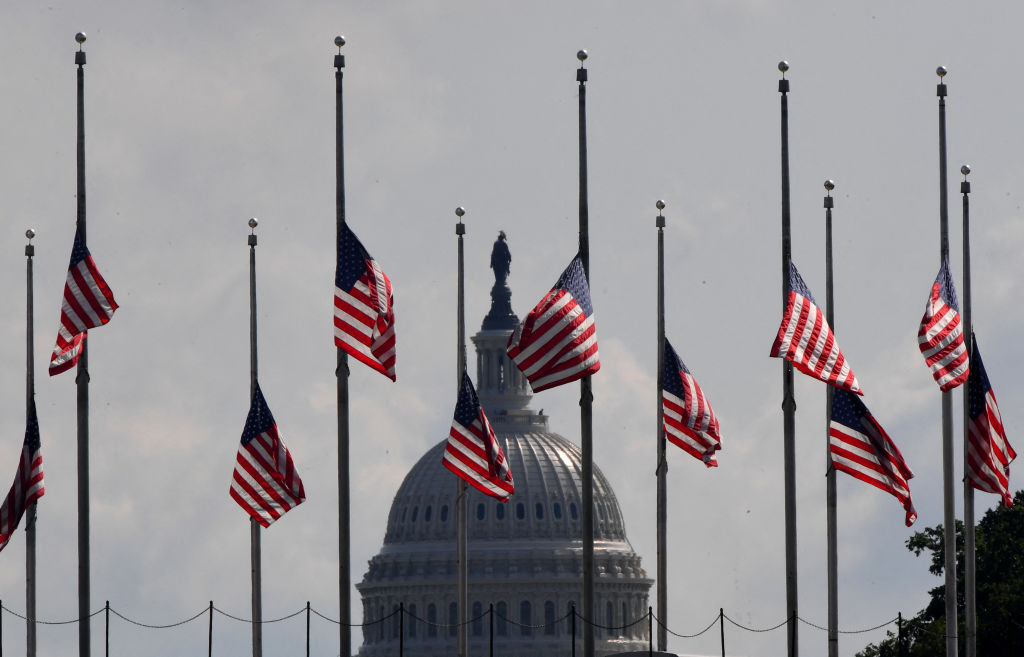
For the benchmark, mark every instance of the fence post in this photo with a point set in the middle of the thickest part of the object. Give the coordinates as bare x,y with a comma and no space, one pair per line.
899,634
491,650
307,628
650,631
401,629
573,630
209,637
106,629
721,625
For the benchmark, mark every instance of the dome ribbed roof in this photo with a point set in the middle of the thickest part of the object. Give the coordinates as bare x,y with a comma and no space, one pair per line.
546,505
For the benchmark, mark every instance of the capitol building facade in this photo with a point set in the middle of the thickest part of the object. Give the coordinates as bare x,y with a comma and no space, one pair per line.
525,556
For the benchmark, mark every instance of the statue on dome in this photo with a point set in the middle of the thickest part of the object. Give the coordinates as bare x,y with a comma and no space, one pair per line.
500,258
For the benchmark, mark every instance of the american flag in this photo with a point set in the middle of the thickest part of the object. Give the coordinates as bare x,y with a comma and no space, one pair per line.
861,448
689,421
473,452
88,303
364,316
265,482
28,480
806,340
556,343
988,452
941,336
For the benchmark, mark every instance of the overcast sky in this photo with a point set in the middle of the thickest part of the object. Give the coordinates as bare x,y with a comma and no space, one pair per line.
200,115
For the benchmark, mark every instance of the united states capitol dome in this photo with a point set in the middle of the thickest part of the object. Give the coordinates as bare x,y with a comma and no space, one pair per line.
525,556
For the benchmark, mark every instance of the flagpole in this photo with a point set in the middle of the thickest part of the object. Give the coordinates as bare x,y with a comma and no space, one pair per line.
254,527
949,512
830,471
970,607
461,488
788,397
30,512
662,467
82,386
341,373
586,392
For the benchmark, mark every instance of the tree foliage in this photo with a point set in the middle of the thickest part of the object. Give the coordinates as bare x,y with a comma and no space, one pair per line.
999,575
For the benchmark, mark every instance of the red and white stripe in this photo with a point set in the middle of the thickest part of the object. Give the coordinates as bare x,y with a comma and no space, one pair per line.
989,453
473,454
27,488
364,320
806,340
941,341
265,482
556,343
88,303
877,462
690,423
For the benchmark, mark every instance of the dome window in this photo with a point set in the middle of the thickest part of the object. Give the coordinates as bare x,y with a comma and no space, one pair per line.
557,508
521,511
499,511
502,613
427,514
478,619
432,619
573,513
412,620
415,512
444,513
525,618
453,619
549,618
540,511
481,511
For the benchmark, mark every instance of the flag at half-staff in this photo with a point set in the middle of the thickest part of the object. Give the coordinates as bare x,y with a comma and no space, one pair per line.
988,452
557,343
690,424
88,303
265,483
941,336
806,340
28,480
364,316
861,448
473,452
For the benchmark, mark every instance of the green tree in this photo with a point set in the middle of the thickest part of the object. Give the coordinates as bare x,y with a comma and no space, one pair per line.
999,567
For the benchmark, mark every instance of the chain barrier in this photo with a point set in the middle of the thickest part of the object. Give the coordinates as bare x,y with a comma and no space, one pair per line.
204,611
608,627
752,629
250,621
42,622
553,623
685,636
448,626
825,629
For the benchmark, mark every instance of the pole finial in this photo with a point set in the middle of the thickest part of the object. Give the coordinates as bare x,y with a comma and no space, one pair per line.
582,56
30,233
339,41
659,221
783,67
253,222
460,228
659,204
965,169
80,39
941,71
830,185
